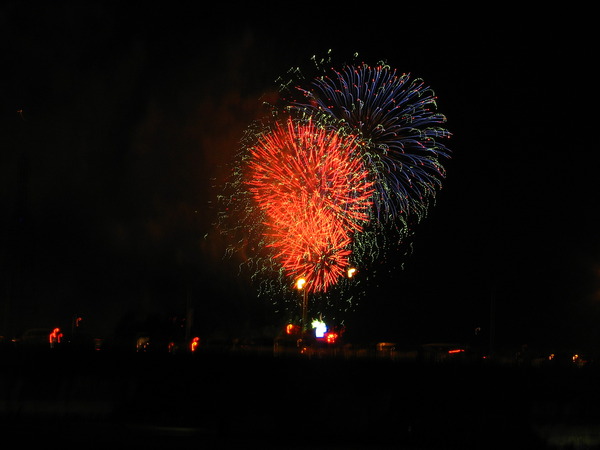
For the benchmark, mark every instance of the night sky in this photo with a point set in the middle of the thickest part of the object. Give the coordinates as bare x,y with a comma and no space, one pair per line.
118,122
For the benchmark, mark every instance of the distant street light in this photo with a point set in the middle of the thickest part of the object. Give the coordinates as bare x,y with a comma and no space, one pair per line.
300,285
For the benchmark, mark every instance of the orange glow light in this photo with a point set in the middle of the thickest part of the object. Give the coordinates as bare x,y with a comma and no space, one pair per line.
195,343
300,283
55,336
290,328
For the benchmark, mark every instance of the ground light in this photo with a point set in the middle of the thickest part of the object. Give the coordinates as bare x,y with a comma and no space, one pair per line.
55,337
320,328
194,344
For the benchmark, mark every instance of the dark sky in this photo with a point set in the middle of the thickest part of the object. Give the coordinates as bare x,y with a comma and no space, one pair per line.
117,123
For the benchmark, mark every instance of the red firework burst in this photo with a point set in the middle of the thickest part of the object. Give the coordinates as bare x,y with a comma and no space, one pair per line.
312,186
314,246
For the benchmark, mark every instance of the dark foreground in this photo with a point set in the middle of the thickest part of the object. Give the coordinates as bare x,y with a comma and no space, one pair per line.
99,400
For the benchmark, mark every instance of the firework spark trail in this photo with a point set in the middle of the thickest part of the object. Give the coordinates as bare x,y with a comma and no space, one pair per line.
314,246
395,117
312,187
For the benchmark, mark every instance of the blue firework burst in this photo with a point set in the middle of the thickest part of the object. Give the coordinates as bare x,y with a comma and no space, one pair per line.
401,130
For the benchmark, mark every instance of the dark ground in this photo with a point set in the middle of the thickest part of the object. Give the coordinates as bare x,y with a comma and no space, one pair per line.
221,400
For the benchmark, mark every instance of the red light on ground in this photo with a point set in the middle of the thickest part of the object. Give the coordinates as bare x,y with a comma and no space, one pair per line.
331,338
458,350
290,328
55,337
194,344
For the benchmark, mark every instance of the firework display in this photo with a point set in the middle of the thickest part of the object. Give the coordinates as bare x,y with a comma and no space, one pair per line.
315,247
352,153
401,132
312,187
